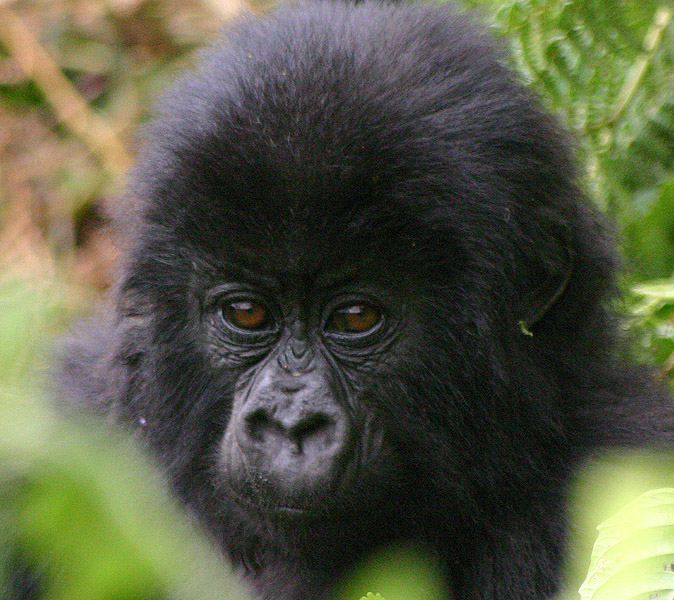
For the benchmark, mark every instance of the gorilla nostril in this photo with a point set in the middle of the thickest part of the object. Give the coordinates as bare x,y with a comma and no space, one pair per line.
317,429
257,423
309,425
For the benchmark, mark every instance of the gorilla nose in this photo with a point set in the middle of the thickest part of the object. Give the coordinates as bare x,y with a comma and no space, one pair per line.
295,447
304,433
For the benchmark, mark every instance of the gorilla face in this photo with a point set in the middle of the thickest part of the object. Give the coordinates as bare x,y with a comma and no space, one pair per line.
298,429
304,343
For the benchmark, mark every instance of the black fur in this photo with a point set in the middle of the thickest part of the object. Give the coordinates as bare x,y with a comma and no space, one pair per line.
390,138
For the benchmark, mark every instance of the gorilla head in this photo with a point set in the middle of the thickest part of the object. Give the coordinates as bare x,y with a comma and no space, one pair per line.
362,303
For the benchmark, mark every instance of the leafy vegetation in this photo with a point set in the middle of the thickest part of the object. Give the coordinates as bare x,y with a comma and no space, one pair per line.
81,499
633,556
607,68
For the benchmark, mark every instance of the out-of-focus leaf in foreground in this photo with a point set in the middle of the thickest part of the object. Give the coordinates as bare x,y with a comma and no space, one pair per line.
87,507
78,499
633,557
397,573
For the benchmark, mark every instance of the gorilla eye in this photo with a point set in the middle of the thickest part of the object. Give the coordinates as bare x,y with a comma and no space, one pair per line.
353,319
246,314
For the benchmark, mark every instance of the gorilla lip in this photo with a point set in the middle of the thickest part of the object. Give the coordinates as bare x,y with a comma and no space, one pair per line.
291,512
260,503
280,512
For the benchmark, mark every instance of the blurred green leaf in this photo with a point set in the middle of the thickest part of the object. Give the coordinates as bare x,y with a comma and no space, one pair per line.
78,497
649,233
31,311
602,491
389,573
652,305
633,556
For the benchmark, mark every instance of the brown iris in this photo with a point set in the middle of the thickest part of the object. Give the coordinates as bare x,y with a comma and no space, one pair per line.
353,318
246,314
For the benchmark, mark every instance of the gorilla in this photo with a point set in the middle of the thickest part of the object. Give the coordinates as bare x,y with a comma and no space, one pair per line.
364,302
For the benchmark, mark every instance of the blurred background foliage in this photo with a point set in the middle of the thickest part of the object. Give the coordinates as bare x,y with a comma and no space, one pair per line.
77,81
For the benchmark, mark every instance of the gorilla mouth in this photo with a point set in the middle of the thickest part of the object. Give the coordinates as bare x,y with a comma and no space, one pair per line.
266,503
291,513
284,514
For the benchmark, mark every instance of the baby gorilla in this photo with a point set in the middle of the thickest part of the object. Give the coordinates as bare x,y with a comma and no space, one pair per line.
363,303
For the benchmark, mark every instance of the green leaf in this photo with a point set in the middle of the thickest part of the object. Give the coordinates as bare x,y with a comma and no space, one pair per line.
633,557
398,573
650,236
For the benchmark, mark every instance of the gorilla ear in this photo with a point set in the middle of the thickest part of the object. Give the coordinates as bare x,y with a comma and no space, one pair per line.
540,300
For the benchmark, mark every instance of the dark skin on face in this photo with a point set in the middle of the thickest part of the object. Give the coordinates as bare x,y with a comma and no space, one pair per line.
294,436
